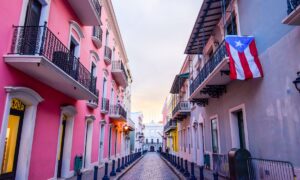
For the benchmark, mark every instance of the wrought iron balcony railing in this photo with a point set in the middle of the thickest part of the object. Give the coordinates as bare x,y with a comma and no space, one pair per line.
97,7
94,103
118,65
39,40
170,125
182,106
105,105
292,5
117,110
211,64
107,54
97,32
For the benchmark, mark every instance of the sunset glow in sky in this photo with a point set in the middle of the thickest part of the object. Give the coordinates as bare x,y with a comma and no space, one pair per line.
155,33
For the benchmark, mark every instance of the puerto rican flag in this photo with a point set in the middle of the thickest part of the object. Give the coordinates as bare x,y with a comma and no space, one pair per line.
243,57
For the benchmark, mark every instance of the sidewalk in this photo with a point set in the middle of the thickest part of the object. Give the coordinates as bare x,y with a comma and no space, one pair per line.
89,174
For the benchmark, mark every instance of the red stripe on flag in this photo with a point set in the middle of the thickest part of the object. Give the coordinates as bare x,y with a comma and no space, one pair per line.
245,65
254,53
232,69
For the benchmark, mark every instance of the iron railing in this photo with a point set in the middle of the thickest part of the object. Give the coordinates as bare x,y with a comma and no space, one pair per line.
182,106
97,7
97,32
107,53
105,105
39,40
170,125
292,5
221,164
211,64
270,169
117,110
118,65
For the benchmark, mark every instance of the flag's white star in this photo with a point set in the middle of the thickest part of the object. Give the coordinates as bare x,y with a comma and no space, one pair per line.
238,44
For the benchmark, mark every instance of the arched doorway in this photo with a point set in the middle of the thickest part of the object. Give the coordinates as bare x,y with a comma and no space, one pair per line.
151,148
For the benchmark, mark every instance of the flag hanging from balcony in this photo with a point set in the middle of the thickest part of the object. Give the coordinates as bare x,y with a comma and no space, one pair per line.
243,57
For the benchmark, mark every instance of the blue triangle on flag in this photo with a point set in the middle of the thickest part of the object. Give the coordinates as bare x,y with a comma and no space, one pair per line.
240,43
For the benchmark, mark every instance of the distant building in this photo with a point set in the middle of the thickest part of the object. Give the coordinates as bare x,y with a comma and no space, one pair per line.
137,118
153,136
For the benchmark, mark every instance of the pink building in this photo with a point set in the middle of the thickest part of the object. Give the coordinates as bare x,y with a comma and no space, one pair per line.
64,76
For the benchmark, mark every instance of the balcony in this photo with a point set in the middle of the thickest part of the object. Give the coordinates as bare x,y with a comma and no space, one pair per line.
182,110
88,11
117,112
170,125
130,124
104,105
93,103
107,55
97,36
212,78
37,52
293,11
119,73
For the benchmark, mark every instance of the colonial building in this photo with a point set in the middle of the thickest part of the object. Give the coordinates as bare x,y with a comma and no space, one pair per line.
153,136
64,74
137,118
258,114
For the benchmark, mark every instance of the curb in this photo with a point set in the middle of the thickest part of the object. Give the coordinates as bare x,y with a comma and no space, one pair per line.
178,174
127,169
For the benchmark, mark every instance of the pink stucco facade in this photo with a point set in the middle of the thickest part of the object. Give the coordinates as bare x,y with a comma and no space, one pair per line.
43,155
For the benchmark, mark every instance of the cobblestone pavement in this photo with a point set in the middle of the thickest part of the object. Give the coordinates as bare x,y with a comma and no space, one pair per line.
150,167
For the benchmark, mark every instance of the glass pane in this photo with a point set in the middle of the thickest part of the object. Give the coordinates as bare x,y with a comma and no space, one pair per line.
10,144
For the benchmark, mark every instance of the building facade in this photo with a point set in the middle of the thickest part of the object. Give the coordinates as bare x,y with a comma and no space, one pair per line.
259,114
137,118
66,71
153,136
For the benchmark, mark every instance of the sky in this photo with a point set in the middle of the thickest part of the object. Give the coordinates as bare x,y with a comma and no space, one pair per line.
155,34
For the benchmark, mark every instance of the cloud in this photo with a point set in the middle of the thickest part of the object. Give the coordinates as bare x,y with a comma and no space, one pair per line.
155,33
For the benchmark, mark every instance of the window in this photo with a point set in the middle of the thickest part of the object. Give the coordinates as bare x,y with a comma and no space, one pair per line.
146,141
107,38
93,70
151,141
157,141
231,27
214,135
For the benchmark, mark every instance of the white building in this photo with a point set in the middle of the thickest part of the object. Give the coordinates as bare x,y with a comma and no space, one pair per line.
153,136
137,118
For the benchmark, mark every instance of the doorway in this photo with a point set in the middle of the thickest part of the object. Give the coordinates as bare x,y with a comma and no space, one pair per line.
151,148
238,128
61,145
12,140
31,28
88,143
101,142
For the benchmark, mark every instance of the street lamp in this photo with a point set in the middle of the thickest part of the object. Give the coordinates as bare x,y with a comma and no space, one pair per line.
297,82
126,127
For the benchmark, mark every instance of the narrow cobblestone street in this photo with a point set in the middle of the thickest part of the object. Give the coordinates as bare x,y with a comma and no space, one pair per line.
150,167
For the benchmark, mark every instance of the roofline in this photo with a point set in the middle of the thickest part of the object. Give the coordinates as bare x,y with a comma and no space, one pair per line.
112,15
198,16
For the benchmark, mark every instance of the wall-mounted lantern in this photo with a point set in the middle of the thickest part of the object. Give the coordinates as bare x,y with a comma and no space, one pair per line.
297,82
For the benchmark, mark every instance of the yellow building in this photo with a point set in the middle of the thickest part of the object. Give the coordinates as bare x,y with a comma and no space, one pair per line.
172,136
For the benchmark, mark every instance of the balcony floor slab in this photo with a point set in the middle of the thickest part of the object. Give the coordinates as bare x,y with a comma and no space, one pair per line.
48,73
214,78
